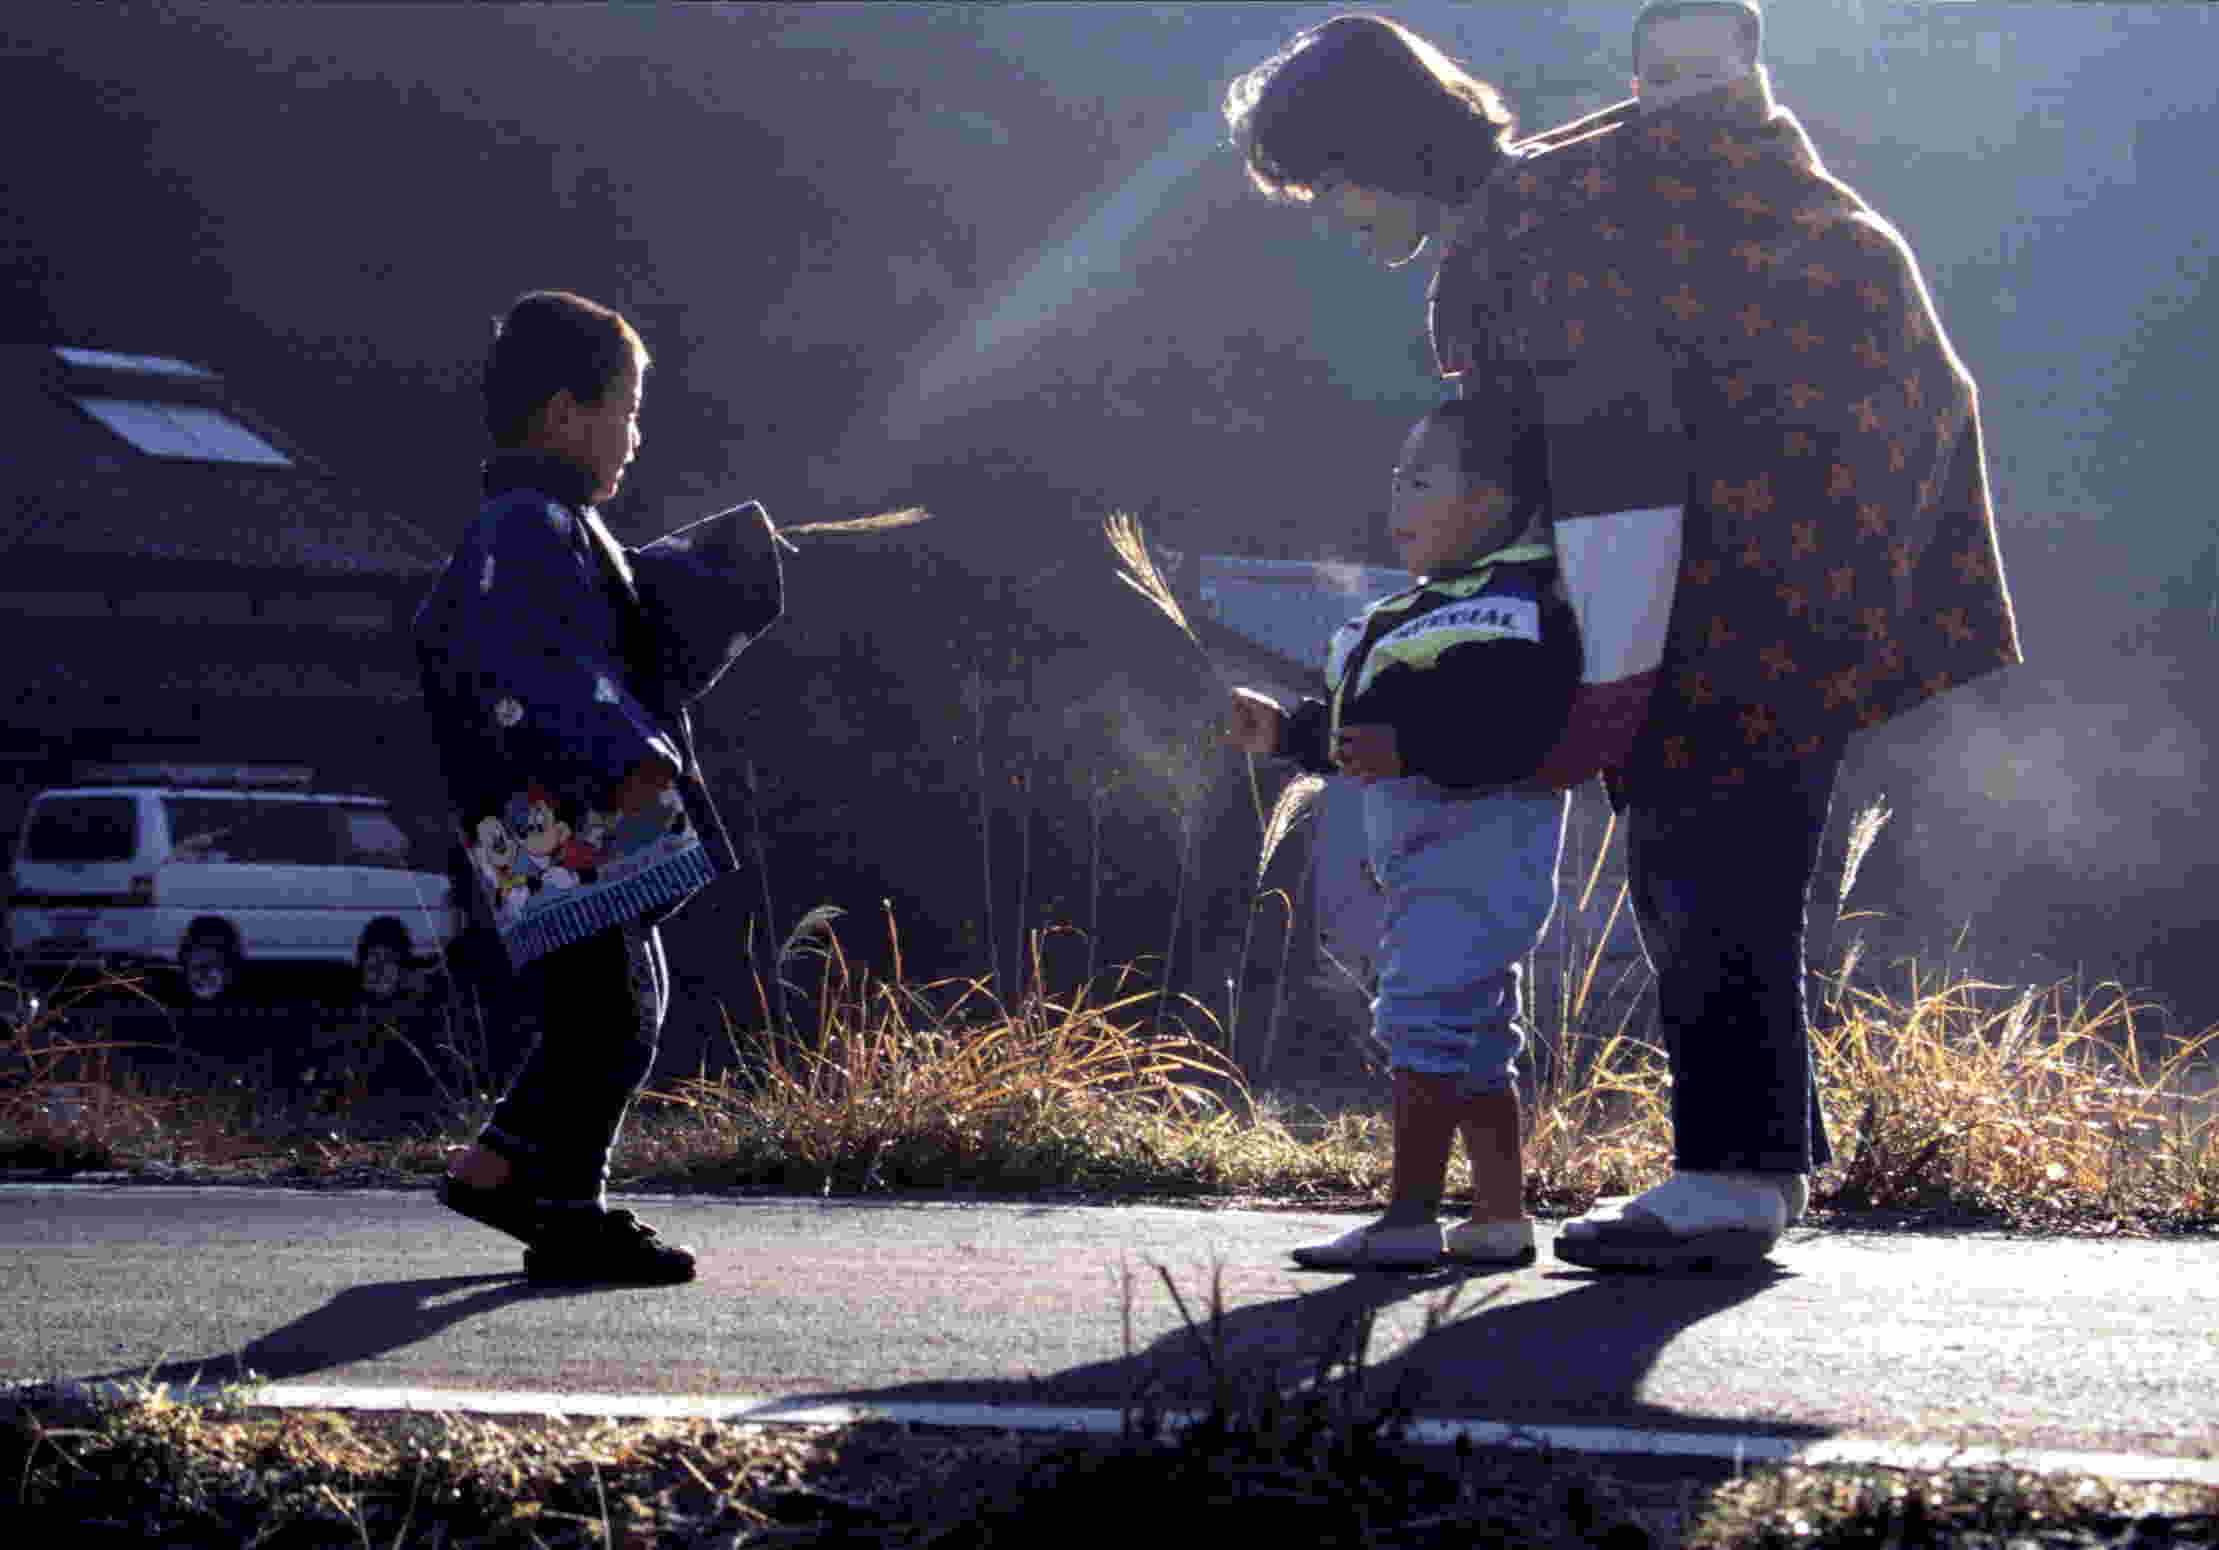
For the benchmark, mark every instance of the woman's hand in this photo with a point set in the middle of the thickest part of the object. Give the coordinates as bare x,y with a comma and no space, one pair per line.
1368,752
1259,722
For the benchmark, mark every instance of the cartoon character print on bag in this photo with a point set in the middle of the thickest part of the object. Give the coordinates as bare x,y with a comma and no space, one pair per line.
561,852
598,830
494,851
532,846
530,814
651,815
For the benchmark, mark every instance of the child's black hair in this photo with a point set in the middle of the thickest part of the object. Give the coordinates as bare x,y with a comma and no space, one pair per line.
552,340
1505,448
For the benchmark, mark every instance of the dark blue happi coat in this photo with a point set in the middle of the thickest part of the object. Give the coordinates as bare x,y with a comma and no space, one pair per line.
558,667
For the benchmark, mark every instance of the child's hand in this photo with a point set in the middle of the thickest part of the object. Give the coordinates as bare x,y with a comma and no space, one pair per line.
643,786
1259,722
1368,752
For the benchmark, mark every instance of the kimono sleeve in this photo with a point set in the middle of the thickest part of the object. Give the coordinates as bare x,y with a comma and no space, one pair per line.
539,653
707,590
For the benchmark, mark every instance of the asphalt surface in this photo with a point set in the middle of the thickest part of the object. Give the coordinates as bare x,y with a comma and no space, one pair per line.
2107,1345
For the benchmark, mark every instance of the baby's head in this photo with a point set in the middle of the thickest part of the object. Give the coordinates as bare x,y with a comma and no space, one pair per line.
1467,485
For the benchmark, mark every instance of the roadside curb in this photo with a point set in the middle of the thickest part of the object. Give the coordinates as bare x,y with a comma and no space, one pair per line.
1728,1449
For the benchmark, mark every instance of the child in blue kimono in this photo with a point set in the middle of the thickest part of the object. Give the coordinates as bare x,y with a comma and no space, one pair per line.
558,667
1443,699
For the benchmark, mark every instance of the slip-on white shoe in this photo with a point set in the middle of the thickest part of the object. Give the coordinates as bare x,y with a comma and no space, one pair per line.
1692,1221
1495,1245
1376,1248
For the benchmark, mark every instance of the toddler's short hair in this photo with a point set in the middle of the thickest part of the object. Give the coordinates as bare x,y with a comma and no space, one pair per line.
1503,448
549,341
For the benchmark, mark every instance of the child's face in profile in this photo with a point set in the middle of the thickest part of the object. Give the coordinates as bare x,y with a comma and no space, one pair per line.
600,438
1438,516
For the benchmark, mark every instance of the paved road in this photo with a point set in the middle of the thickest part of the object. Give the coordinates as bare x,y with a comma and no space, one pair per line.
2083,1345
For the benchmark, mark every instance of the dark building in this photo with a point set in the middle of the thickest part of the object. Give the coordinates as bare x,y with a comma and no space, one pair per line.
180,579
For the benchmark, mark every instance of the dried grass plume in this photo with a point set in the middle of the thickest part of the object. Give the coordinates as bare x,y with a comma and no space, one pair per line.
883,522
1294,799
1137,569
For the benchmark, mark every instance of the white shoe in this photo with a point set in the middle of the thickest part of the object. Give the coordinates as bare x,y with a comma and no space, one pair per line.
1376,1248
1691,1220
1499,1244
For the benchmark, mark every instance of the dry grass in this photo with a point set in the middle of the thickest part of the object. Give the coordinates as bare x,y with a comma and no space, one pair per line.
2032,1108
1136,568
2041,1109
147,1469
1317,1462
2046,1108
1839,1508
943,1086
1314,1463
66,1101
885,521
2038,1107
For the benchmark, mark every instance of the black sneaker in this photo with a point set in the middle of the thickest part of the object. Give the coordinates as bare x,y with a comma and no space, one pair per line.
604,1248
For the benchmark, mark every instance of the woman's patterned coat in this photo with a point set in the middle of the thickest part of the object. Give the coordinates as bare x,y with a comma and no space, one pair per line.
1703,317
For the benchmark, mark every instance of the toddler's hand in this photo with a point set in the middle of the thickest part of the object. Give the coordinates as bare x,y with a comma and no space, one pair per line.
1258,722
1368,752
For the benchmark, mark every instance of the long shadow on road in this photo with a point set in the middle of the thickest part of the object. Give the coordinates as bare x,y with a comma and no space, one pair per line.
1569,1347
356,1325
1578,1356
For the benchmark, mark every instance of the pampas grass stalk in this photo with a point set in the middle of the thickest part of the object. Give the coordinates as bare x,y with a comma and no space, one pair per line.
1862,833
773,993
883,522
974,696
1286,953
1023,780
1294,800
1187,826
1137,569
1097,794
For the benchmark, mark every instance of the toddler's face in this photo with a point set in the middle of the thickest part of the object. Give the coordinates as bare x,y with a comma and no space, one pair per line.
1438,516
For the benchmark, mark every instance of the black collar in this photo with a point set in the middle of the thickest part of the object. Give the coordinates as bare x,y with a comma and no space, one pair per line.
552,476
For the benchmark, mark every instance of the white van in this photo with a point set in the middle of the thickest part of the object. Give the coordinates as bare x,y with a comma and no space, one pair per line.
204,869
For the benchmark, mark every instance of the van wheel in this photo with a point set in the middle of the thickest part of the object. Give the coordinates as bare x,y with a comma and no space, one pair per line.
382,965
211,965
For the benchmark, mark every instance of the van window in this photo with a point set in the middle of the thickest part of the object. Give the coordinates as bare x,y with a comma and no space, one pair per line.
103,828
372,838
287,834
205,828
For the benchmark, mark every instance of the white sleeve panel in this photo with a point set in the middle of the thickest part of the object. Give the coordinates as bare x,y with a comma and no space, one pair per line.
1620,572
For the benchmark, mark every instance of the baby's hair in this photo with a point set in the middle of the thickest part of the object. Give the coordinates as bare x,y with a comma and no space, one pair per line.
1497,445
552,340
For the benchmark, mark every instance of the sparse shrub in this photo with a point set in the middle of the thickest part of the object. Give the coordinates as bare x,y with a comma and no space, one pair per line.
65,1103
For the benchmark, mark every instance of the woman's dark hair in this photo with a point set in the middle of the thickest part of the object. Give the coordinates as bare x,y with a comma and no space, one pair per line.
549,341
1367,98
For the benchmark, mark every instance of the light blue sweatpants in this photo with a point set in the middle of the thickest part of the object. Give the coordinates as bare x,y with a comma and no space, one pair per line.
1470,883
